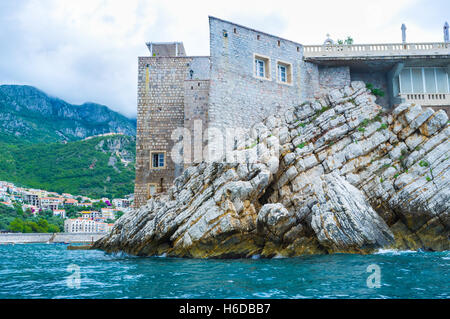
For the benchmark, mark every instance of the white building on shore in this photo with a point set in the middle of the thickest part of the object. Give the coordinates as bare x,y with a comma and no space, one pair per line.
80,225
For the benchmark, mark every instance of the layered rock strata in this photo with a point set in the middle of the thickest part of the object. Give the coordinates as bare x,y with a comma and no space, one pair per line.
336,174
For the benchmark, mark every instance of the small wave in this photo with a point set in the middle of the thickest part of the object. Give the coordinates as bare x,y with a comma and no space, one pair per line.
393,252
268,294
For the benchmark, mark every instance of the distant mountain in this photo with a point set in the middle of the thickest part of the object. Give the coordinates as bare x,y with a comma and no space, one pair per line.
43,144
30,115
96,167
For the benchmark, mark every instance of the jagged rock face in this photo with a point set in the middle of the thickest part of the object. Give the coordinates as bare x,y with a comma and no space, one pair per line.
332,175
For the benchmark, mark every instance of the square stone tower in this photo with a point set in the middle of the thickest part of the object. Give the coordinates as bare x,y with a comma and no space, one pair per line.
168,80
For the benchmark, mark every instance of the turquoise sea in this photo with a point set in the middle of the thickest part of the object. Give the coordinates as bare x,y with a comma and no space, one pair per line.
52,271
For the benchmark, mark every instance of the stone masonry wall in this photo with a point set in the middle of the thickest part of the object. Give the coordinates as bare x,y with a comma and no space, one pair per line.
310,80
378,80
161,99
333,77
160,111
195,116
237,98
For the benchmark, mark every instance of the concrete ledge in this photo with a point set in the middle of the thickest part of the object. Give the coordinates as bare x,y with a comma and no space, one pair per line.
29,238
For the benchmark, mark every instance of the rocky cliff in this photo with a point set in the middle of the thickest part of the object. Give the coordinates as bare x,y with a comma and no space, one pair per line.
331,175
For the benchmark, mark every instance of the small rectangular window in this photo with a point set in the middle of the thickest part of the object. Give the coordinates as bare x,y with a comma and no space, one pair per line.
158,160
261,67
284,72
152,189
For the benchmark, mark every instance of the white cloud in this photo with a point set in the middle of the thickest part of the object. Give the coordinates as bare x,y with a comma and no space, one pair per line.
87,50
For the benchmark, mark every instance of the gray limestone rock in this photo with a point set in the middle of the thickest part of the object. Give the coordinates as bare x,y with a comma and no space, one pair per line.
320,187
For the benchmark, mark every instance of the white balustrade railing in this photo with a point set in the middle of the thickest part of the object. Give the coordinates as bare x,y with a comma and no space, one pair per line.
427,99
385,49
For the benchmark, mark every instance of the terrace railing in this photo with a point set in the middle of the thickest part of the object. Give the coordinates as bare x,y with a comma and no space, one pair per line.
376,50
427,99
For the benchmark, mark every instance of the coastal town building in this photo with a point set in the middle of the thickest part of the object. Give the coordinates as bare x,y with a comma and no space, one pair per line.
109,213
51,203
121,202
31,198
90,214
37,201
60,213
250,74
80,225
33,209
8,204
70,201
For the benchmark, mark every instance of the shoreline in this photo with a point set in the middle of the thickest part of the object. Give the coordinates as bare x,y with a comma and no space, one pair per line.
42,238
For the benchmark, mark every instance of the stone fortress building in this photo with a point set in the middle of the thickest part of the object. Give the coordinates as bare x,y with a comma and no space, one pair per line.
251,74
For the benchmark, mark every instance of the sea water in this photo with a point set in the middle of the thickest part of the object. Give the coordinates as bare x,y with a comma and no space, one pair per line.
52,271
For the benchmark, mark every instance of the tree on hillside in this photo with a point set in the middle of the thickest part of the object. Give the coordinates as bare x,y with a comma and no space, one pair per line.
16,225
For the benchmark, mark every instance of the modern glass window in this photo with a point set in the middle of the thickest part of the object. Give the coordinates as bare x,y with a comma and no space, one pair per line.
260,67
157,160
405,81
417,80
430,80
424,80
282,73
442,80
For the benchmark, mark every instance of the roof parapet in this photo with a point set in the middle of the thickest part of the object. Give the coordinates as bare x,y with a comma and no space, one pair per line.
166,49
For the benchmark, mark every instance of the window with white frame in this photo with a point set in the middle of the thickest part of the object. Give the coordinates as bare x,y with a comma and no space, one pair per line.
284,73
261,67
424,80
158,160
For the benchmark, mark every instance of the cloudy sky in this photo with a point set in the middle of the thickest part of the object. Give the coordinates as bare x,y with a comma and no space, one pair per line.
86,50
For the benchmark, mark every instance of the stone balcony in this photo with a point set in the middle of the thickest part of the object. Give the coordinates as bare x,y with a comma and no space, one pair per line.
385,50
